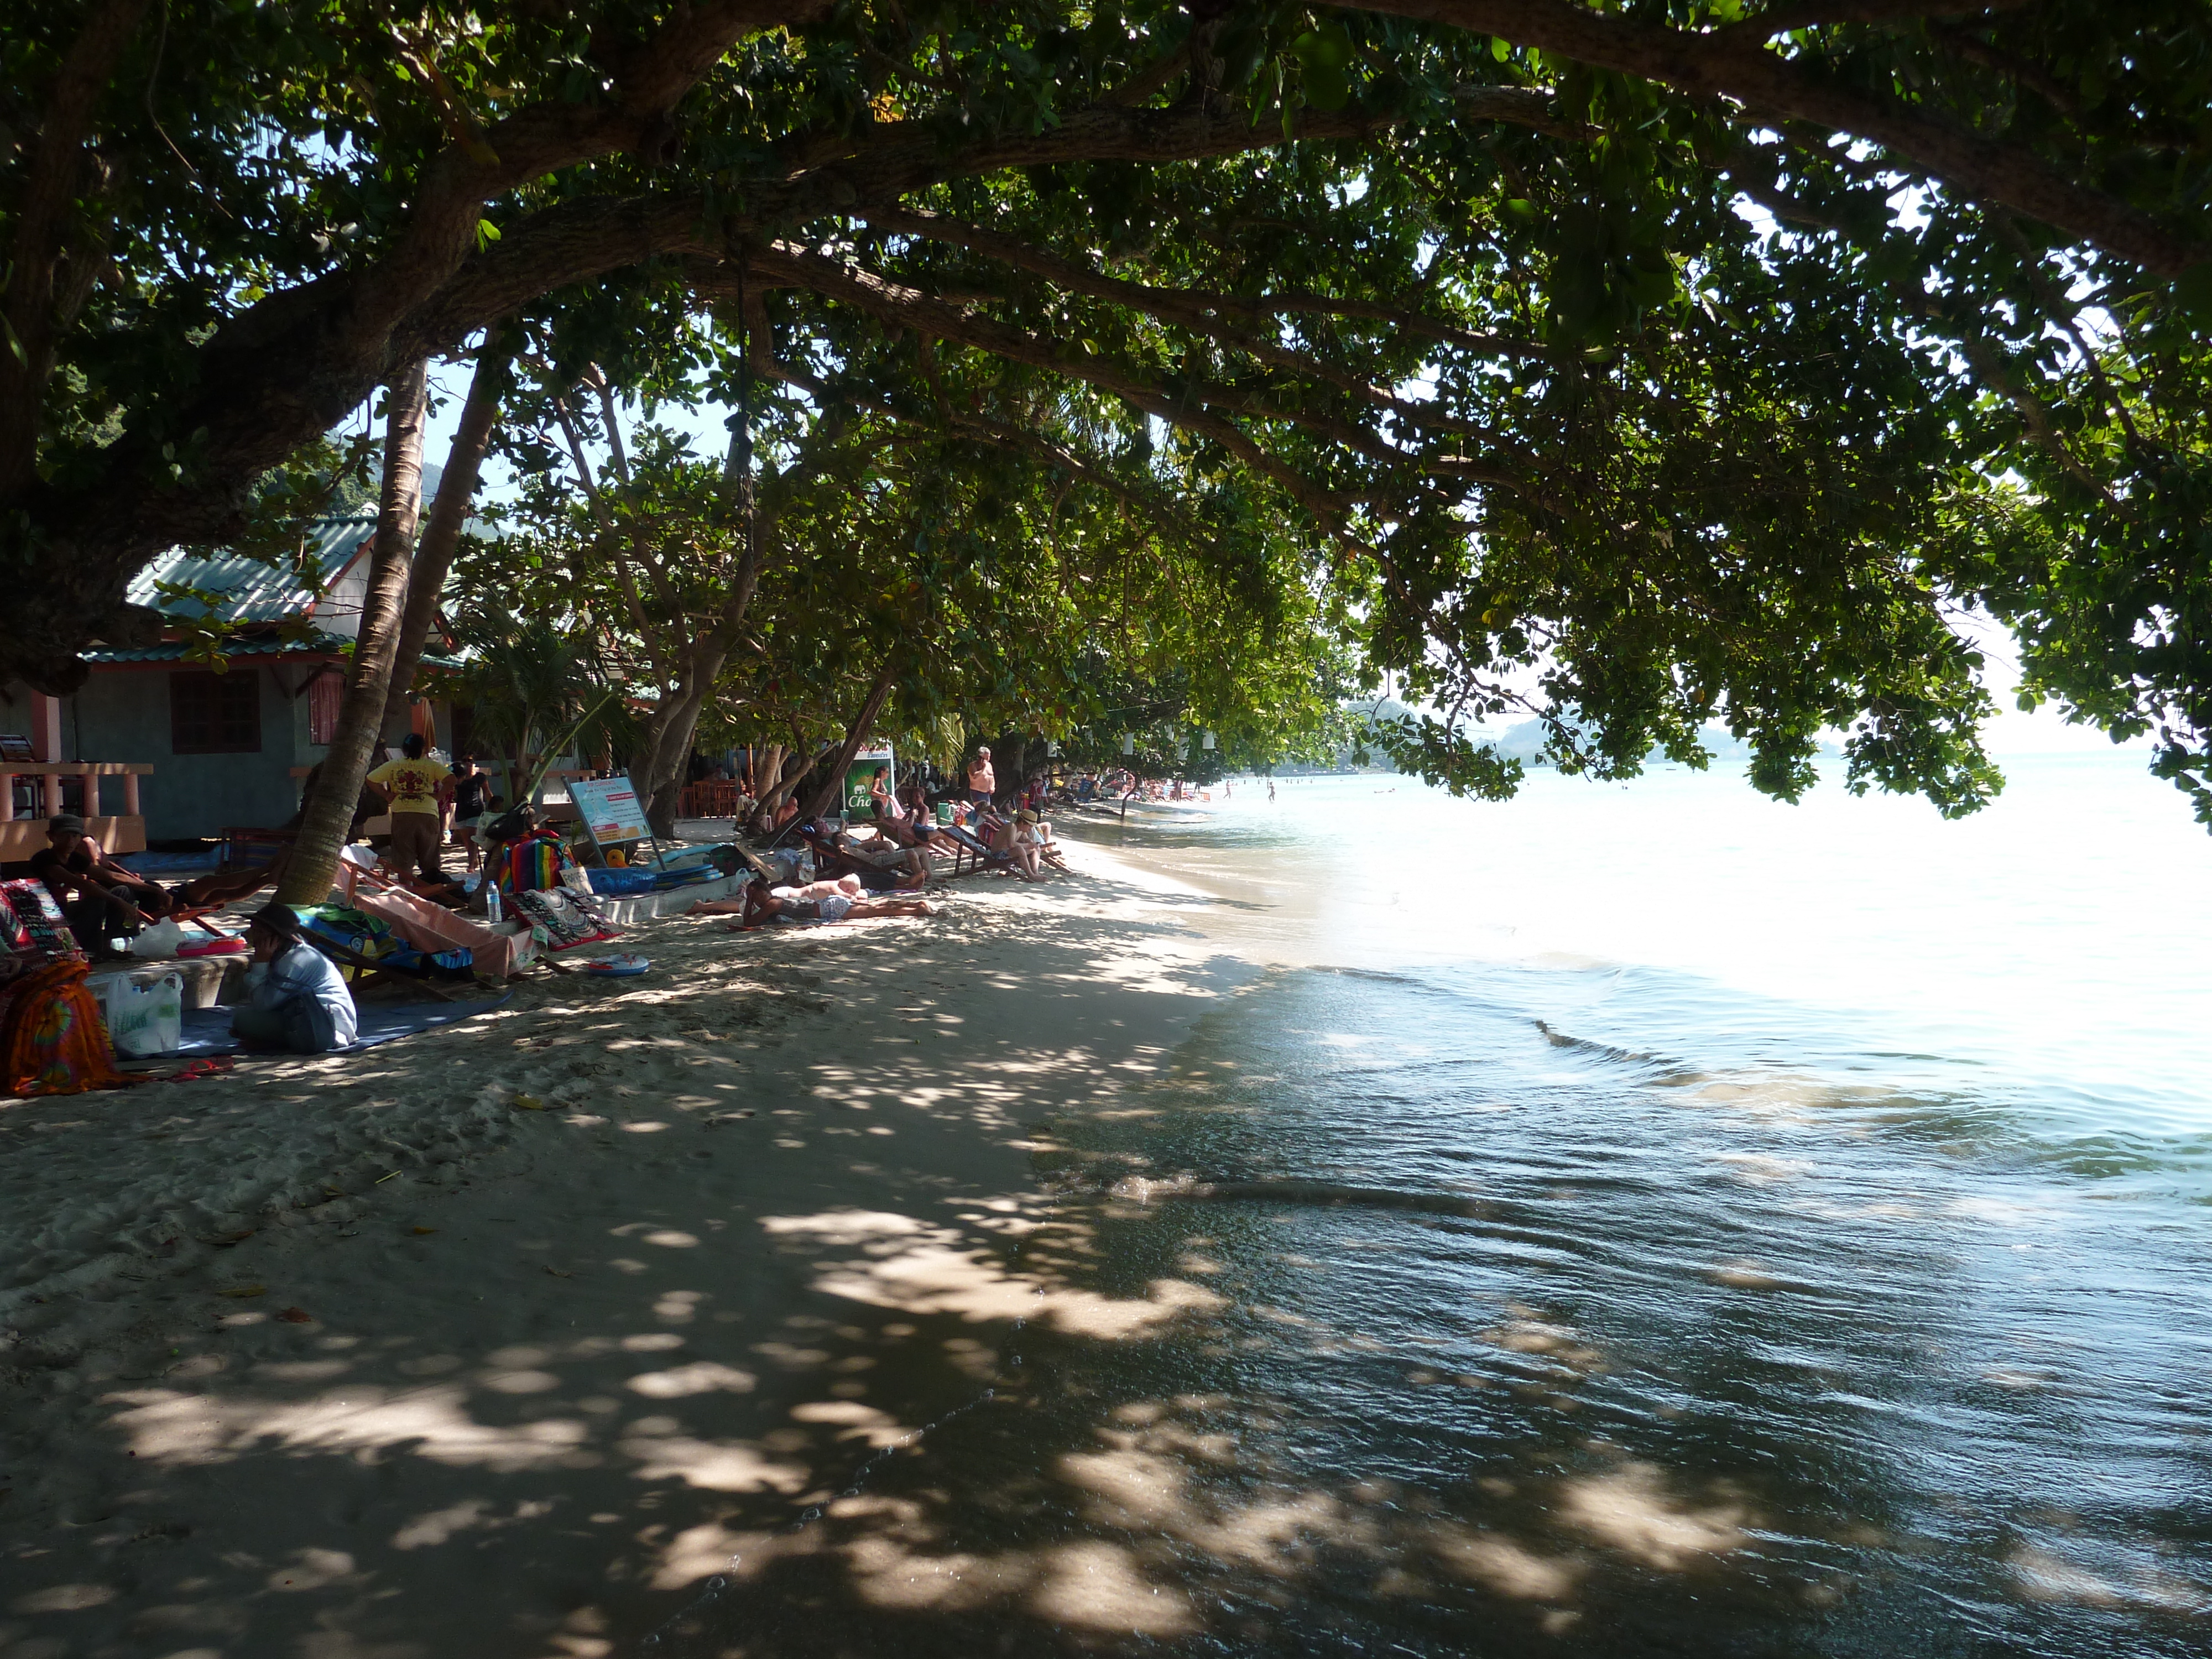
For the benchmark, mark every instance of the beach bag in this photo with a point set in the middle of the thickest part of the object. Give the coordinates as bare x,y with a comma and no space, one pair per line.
144,1016
51,1041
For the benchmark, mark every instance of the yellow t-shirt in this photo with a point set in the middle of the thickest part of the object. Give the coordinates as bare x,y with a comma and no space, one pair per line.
412,784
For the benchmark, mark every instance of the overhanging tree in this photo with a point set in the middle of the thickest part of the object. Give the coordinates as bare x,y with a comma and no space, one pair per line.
1463,284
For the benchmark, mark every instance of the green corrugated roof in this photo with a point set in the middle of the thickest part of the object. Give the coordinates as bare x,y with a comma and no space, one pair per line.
251,591
320,645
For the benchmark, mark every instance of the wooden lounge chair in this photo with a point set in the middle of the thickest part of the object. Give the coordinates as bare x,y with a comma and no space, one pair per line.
978,853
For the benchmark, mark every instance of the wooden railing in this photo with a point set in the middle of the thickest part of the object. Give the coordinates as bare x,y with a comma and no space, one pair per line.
122,832
54,771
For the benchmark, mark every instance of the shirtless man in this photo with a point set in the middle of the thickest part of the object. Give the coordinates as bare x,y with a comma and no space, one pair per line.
982,785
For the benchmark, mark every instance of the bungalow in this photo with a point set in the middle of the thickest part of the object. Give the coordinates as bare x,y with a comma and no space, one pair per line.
199,750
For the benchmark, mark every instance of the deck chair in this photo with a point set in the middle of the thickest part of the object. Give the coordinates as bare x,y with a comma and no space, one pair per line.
373,972
978,853
429,927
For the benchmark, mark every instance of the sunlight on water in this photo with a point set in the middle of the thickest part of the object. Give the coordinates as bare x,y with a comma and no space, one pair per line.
1621,1223
2052,947
1733,1227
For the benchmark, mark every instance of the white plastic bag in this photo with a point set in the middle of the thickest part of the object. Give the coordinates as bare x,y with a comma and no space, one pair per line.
158,942
145,1015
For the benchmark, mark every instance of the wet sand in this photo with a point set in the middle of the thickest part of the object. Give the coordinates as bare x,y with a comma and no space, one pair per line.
555,1333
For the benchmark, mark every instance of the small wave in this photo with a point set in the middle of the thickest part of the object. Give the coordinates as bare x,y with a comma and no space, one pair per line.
1303,1192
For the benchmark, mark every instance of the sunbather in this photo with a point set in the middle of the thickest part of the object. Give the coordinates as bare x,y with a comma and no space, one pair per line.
818,901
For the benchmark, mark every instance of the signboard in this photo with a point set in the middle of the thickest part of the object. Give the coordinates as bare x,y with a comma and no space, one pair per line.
858,775
611,810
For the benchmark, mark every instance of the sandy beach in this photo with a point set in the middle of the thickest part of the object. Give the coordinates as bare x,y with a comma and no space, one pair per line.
613,1319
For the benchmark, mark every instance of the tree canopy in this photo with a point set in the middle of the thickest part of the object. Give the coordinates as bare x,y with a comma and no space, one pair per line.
1632,366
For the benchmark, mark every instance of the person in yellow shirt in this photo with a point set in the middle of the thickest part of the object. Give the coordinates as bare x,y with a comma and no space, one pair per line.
416,791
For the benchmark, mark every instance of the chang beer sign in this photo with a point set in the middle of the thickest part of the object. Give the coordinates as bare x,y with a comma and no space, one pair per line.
858,777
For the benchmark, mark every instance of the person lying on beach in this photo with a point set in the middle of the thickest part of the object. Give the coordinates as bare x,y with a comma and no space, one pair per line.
295,998
818,901
910,864
836,855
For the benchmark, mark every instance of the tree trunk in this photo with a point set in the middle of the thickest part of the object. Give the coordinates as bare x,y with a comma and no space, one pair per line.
329,809
791,771
855,735
457,489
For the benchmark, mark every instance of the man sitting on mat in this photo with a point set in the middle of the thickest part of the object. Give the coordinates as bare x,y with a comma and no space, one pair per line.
296,998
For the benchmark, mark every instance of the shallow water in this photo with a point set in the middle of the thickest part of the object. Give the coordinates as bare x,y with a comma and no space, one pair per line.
1647,1222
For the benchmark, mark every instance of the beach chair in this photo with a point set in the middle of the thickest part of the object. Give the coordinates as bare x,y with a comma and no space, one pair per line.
978,853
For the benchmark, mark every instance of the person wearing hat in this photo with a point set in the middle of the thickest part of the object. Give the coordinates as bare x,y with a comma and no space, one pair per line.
295,998
103,900
1020,841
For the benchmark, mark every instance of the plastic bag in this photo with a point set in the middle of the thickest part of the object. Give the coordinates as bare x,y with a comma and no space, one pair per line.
158,942
144,1016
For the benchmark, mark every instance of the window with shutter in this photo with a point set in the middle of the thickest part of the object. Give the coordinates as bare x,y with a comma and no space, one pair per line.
215,714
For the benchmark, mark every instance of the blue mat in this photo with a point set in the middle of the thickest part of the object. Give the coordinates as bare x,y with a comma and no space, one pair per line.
207,1030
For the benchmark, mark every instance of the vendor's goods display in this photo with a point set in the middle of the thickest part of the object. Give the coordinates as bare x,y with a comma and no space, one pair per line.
561,920
51,1040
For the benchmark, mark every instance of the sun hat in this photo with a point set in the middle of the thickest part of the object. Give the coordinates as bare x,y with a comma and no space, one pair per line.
69,821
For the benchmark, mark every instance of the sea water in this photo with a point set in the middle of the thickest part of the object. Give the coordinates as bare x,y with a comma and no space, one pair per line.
1658,1219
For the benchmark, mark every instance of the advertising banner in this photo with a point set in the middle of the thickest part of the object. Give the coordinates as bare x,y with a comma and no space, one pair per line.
858,777
609,809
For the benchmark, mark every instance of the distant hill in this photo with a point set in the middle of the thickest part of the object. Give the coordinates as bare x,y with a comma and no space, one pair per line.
1524,741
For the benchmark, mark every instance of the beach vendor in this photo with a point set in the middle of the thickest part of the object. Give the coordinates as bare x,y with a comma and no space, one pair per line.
103,899
416,790
295,998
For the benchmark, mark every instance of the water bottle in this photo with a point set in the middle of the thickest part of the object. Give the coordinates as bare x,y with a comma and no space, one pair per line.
491,901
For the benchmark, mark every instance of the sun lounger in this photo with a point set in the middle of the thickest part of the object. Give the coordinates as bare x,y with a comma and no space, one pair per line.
977,851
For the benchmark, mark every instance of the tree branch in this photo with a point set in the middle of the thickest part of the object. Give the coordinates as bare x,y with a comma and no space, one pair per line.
28,331
1772,86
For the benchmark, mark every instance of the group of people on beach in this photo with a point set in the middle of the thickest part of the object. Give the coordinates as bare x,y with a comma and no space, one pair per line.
872,868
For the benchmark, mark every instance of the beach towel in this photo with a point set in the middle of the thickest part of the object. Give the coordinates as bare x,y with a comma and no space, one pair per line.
51,1040
529,866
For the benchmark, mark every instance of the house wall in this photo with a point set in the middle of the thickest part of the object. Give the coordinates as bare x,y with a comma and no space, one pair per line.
123,714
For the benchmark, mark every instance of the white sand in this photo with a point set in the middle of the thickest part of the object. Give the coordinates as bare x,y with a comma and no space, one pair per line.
521,1381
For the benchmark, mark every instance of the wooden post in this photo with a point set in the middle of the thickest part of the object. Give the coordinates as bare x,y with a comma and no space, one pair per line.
131,795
